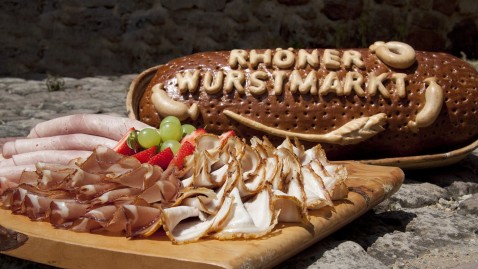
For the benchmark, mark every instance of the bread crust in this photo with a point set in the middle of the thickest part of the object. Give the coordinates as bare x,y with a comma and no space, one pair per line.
455,125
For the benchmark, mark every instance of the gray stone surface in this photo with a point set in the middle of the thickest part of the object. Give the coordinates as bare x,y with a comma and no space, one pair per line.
83,38
431,222
470,205
25,103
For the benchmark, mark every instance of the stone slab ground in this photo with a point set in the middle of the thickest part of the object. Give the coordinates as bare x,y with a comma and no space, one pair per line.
431,222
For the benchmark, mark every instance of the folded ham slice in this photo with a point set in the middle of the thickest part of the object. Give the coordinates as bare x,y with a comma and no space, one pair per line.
13,173
49,156
60,142
93,124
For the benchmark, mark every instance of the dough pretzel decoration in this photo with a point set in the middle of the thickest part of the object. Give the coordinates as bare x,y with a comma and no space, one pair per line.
380,101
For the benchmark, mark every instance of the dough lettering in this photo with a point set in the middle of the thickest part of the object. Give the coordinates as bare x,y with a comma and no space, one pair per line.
300,72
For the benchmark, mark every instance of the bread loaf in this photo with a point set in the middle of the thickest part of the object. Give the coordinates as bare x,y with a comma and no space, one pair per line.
384,101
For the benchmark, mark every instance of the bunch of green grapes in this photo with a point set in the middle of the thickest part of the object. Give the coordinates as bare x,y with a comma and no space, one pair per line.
168,135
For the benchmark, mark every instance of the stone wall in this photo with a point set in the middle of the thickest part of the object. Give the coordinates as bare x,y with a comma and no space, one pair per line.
101,37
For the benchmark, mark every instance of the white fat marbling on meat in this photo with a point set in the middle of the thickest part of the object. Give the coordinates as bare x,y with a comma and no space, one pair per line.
5,184
34,202
62,209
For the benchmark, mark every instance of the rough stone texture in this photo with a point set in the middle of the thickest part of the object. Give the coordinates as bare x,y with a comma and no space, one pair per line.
470,205
459,188
84,38
431,222
25,103
330,253
413,194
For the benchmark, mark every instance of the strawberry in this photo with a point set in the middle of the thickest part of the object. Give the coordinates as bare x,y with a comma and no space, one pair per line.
223,138
191,138
122,146
185,150
145,155
162,159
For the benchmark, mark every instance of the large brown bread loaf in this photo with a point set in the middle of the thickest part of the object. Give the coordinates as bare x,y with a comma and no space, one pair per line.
455,126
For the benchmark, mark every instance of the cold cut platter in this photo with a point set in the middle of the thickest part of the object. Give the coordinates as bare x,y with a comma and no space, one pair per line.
368,186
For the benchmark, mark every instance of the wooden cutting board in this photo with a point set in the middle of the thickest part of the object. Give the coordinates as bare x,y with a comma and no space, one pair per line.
369,186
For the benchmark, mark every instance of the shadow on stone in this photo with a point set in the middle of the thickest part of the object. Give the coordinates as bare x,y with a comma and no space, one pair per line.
7,262
369,227
330,253
465,171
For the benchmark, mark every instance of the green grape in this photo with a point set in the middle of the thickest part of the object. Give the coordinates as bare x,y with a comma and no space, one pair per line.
188,128
173,144
171,131
172,119
149,137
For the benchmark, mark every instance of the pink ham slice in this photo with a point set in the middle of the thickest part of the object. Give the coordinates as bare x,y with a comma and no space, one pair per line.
63,213
105,160
94,219
140,219
161,192
89,192
100,192
13,173
6,184
114,195
49,156
166,189
16,200
61,142
140,178
36,207
4,140
93,124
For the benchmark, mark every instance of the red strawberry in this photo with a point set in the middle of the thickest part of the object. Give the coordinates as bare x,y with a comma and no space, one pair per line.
185,150
191,138
226,135
122,146
162,159
145,155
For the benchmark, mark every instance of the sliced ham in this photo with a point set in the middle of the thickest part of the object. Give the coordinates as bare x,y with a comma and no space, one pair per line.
36,207
49,156
93,124
4,140
94,219
86,225
141,177
13,173
6,162
6,184
103,214
105,160
16,200
141,218
116,194
63,213
89,192
60,142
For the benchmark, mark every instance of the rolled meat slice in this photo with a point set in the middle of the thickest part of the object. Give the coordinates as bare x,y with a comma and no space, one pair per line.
59,142
94,124
13,173
48,156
